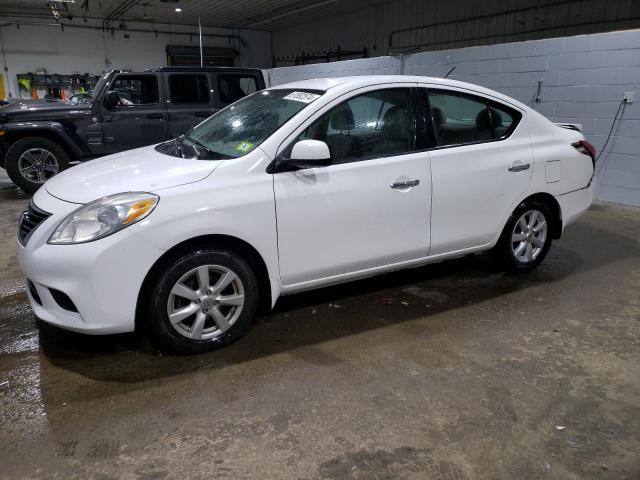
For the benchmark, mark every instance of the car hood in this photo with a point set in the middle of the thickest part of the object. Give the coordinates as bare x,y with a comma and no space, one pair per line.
140,170
26,109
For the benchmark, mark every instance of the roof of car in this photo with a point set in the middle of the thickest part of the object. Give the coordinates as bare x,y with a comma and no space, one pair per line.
359,81
201,69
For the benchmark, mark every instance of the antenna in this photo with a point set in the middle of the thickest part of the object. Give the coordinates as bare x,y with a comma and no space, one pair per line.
452,69
200,34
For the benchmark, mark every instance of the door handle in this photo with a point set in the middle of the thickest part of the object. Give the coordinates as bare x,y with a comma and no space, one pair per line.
202,114
519,167
406,184
154,115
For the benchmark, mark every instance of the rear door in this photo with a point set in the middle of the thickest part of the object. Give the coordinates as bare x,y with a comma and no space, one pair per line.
140,118
481,165
189,100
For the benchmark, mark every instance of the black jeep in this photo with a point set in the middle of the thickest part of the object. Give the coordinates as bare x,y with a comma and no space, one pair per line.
39,138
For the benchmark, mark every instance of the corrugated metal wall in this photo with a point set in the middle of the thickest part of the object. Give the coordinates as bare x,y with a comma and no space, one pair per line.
424,25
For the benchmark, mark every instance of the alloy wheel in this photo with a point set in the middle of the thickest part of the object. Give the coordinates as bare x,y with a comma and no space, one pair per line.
529,236
205,302
38,165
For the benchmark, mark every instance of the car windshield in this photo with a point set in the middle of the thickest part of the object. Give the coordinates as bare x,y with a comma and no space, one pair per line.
242,126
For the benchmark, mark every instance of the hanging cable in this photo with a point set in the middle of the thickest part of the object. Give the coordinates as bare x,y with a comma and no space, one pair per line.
615,118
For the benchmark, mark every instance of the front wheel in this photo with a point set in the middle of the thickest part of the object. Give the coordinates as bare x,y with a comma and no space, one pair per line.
32,161
526,238
203,301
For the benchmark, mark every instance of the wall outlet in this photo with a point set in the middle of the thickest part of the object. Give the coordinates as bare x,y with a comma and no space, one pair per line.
629,97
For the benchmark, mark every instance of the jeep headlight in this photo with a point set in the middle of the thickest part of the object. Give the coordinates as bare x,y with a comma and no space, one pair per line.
104,217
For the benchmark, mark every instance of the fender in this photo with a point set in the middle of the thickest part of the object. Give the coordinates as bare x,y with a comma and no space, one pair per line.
32,127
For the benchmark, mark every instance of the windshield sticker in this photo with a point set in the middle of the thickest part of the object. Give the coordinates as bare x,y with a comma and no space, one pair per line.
304,97
244,147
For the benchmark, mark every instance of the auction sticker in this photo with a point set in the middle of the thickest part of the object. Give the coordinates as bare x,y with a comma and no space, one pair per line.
244,147
304,97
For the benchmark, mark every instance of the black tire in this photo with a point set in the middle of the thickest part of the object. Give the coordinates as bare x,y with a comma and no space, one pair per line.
504,253
167,337
29,183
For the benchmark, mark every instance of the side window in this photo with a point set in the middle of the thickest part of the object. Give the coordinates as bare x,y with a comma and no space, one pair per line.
234,87
374,124
188,89
459,119
136,89
504,120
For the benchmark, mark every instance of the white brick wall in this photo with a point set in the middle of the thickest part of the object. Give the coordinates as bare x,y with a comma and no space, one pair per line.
584,80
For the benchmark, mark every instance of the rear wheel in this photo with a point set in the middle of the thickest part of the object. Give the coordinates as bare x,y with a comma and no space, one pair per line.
203,301
526,238
32,161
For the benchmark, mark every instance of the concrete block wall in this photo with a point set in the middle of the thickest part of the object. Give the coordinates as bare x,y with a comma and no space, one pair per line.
584,79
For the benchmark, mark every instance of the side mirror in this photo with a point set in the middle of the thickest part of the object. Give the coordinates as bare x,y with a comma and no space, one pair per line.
111,100
310,154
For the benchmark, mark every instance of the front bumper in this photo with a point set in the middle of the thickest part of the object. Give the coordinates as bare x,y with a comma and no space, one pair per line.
102,278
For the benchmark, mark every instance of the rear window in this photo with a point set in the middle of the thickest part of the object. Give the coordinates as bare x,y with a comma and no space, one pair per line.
189,88
233,87
461,119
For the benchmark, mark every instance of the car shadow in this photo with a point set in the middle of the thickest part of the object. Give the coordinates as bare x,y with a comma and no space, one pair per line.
349,309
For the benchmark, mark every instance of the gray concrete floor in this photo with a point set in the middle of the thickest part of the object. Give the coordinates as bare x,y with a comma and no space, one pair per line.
453,371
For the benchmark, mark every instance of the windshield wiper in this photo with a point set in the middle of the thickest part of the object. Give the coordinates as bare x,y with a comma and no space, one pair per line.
198,144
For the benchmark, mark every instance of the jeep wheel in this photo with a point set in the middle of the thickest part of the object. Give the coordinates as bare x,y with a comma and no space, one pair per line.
32,161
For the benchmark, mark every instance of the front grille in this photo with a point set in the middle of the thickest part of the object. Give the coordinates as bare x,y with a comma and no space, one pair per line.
31,218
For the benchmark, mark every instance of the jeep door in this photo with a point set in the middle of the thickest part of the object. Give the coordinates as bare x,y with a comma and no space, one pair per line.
189,100
139,118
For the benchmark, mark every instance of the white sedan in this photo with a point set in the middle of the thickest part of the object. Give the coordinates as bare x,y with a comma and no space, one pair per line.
293,188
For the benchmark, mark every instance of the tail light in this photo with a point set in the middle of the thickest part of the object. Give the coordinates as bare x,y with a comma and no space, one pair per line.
586,148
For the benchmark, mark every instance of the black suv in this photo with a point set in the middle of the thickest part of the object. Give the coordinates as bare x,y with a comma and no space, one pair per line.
38,138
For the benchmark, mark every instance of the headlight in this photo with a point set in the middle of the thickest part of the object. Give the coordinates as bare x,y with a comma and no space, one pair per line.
104,217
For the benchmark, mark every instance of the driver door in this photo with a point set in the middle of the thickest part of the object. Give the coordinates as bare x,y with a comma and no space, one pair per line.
370,208
140,118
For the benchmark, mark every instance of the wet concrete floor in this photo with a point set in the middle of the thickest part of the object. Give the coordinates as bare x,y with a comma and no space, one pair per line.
453,371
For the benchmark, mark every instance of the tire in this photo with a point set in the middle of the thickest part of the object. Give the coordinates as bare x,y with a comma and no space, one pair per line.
189,333
46,158
533,245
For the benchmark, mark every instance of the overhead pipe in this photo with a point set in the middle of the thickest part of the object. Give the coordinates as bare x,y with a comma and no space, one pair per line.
228,36
476,17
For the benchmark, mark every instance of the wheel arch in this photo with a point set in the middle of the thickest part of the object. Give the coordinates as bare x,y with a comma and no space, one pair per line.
227,242
551,202
52,134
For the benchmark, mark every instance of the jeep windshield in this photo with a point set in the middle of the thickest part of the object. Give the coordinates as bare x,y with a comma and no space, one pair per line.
241,127
100,85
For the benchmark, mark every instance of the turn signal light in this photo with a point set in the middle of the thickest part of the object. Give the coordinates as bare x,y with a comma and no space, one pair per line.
138,209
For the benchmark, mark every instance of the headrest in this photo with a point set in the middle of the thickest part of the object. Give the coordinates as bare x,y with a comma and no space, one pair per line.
342,118
396,124
438,116
484,121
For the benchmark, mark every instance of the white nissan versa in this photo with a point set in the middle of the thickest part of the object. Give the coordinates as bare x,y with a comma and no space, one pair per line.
292,188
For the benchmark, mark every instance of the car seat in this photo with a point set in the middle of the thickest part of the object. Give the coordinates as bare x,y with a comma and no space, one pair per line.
396,128
341,145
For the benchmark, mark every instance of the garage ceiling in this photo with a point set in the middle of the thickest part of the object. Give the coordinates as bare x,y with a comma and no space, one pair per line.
258,14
